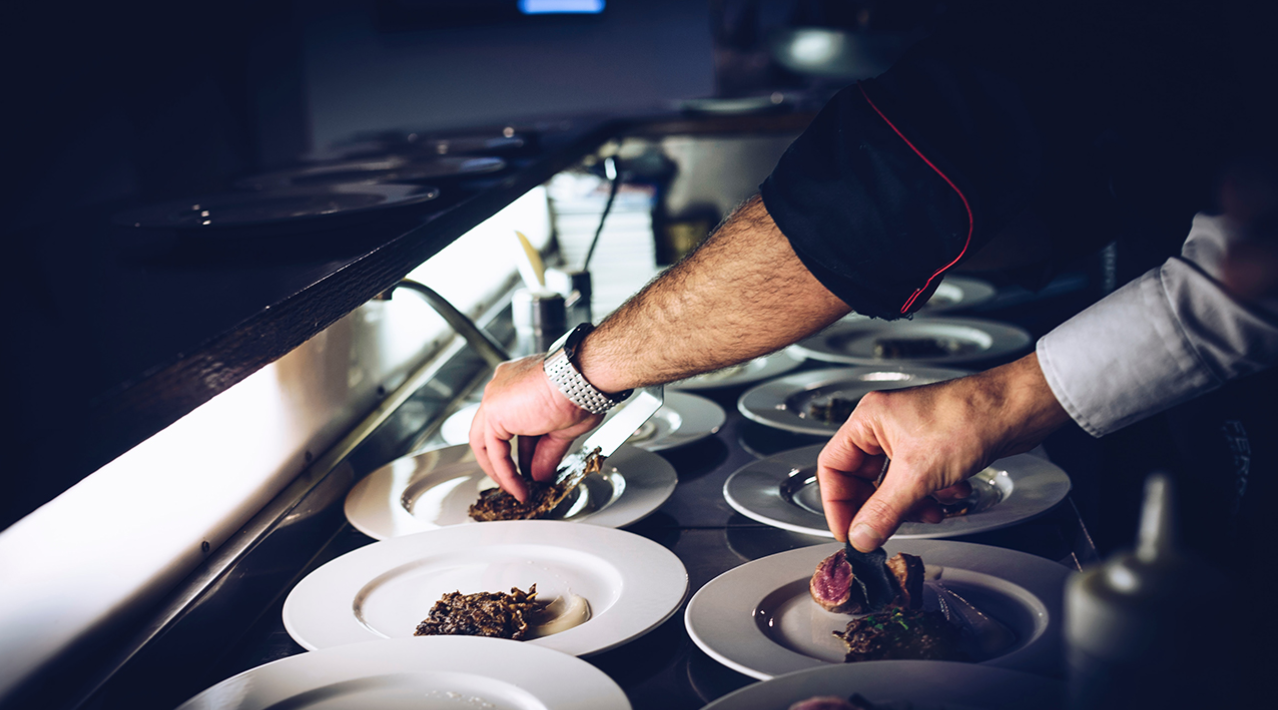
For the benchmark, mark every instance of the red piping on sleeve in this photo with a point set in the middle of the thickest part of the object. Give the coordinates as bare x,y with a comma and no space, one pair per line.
970,221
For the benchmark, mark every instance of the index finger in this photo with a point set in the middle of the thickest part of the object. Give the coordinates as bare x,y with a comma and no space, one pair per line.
845,475
492,453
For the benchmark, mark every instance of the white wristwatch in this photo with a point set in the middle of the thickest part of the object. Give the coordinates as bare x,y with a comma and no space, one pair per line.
563,373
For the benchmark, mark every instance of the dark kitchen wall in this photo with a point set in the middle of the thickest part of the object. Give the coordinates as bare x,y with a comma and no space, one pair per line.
367,70
108,102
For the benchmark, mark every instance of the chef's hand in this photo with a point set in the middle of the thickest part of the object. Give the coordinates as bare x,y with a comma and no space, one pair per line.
936,436
521,401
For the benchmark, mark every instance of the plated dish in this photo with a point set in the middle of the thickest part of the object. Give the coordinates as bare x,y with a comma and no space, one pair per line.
245,209
387,169
759,619
760,368
926,685
384,590
781,491
436,488
818,401
683,419
923,341
437,672
958,292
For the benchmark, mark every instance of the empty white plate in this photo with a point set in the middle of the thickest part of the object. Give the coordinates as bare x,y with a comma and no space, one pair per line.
433,673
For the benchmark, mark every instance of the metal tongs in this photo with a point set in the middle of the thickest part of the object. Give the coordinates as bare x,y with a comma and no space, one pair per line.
610,435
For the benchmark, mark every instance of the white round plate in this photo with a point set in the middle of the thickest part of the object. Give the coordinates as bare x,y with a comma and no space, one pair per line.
782,491
852,341
683,419
436,488
958,292
433,673
760,368
784,403
925,685
759,619
384,590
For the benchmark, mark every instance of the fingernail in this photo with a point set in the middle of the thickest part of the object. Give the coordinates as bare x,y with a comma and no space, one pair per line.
865,538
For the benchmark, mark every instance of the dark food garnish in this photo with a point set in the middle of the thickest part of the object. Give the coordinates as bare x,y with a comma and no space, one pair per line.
836,411
871,576
494,614
902,634
496,504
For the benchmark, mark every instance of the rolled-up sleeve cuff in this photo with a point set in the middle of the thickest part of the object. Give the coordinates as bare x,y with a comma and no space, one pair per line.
1122,359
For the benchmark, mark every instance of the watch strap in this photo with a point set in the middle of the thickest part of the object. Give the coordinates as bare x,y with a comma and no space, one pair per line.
563,373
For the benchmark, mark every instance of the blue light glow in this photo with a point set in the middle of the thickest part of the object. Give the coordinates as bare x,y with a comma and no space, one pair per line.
548,7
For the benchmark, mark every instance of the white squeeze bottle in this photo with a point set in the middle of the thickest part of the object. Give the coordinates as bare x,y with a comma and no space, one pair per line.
1137,626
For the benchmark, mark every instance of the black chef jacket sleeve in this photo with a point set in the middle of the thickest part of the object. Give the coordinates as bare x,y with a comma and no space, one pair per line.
900,177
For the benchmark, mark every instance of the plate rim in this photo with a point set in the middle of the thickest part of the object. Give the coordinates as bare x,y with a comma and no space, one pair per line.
800,379
1019,568
1025,465
761,694
659,485
688,405
389,656
777,363
1018,339
648,566
985,292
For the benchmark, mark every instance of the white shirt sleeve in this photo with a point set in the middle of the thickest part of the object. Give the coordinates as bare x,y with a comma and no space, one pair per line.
1167,337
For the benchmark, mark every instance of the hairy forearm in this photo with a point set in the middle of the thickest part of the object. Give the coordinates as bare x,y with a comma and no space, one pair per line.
742,294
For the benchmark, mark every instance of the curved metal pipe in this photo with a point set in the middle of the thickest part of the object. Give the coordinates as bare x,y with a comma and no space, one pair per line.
492,351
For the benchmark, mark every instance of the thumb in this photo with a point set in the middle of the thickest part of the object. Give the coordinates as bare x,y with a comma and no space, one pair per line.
883,512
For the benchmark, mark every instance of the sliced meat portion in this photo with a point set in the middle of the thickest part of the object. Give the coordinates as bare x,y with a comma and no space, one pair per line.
902,635
907,570
832,586
494,614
